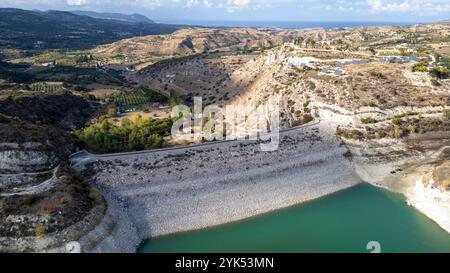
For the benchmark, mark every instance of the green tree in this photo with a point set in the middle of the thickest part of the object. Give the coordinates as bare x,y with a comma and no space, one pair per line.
174,99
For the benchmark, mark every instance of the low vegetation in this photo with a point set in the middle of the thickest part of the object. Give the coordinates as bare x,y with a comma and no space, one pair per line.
398,128
14,130
63,110
440,72
368,120
52,211
446,113
420,67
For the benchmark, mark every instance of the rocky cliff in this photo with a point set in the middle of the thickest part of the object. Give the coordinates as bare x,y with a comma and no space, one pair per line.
26,147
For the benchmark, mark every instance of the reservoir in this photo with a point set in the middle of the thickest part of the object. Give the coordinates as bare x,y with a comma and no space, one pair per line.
342,222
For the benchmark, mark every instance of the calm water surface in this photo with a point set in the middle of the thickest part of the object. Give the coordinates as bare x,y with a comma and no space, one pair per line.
342,222
284,24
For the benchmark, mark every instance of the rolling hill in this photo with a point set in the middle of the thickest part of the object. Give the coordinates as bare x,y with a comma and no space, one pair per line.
27,30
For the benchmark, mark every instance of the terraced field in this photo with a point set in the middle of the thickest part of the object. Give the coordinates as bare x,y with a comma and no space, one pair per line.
138,99
45,88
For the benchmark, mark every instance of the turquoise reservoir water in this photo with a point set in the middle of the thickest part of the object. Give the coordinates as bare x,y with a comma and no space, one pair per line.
342,222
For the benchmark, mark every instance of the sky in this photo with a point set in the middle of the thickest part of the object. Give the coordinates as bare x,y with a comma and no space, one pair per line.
257,10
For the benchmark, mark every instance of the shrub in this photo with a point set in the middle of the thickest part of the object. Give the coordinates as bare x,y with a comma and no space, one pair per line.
397,132
30,199
4,119
40,231
419,68
368,120
307,118
348,154
380,134
446,113
397,121
440,73
411,128
310,85
435,82
355,134
378,75
48,207
95,196
407,114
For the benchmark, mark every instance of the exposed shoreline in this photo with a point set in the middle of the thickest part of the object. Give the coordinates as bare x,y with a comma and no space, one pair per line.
432,202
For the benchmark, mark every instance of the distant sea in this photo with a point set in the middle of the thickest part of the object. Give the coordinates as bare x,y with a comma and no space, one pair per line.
284,24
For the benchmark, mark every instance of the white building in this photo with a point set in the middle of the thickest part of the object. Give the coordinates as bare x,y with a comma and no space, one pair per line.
302,61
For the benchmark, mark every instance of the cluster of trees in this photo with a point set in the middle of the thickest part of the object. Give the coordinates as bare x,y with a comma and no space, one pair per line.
309,42
340,44
84,59
136,135
155,96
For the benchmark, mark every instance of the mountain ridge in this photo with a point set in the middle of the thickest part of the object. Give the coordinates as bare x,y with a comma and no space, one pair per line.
134,18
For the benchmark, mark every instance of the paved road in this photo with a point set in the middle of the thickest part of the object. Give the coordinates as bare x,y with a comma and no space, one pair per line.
84,153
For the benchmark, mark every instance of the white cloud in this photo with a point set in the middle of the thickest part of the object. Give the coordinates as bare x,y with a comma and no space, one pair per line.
239,3
76,2
420,7
234,5
191,3
207,4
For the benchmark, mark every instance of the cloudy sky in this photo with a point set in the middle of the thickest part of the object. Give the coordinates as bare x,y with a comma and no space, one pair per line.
258,10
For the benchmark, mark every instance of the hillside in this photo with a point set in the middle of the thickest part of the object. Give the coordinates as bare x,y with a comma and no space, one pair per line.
135,18
41,191
28,147
193,41
65,110
14,130
26,29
